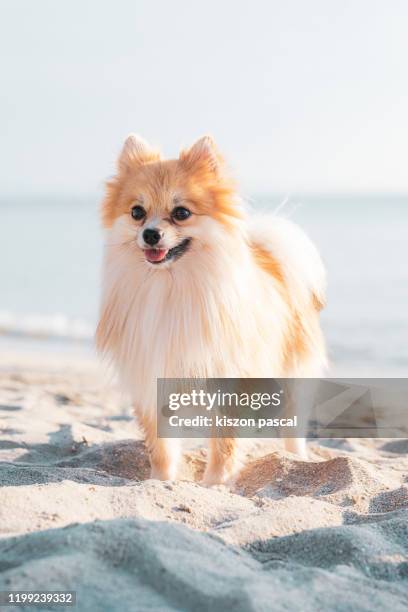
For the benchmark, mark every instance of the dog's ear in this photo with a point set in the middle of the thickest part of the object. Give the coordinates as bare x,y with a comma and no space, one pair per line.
203,154
136,152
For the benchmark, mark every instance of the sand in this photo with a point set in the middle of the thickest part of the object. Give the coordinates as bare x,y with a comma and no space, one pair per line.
78,512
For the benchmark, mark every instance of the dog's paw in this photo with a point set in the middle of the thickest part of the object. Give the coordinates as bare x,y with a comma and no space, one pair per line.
297,446
221,476
167,473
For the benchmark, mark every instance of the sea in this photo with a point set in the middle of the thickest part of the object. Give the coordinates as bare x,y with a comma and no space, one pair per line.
50,264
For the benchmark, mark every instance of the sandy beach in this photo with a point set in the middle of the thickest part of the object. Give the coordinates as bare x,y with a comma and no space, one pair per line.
78,512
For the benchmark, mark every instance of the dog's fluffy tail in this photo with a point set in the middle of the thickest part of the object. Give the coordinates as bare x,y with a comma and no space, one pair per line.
284,251
296,256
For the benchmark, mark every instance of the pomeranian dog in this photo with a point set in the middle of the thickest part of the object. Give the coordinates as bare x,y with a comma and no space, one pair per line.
196,286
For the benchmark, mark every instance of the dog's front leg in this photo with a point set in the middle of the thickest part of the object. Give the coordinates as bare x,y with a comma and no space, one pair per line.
223,463
164,453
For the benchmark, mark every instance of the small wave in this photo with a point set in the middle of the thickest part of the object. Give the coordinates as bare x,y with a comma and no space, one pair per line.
58,326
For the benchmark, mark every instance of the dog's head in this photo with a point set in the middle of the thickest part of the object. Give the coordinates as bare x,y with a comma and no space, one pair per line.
163,209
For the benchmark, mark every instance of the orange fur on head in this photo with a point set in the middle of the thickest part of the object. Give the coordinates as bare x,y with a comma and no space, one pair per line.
198,176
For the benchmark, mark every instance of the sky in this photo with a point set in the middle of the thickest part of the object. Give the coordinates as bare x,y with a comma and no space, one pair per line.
300,96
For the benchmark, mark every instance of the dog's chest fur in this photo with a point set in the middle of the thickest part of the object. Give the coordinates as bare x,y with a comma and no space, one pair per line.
195,322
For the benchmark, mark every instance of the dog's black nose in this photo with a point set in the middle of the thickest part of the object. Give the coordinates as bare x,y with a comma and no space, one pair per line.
151,236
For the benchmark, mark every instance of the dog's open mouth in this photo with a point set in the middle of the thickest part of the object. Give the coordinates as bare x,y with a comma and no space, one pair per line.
156,256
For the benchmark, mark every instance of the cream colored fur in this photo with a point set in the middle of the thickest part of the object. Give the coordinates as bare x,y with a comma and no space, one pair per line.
215,312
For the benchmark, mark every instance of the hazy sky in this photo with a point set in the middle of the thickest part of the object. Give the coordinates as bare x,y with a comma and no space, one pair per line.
301,95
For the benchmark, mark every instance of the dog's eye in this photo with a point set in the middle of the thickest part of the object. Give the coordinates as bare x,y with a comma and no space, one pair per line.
138,212
180,213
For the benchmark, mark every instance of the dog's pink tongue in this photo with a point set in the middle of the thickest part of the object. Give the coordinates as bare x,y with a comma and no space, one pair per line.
154,255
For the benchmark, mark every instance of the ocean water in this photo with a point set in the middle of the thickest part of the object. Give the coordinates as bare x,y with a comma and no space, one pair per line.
51,257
